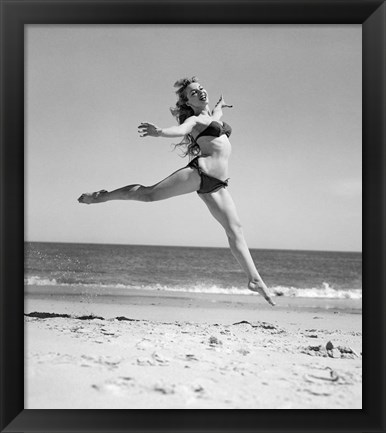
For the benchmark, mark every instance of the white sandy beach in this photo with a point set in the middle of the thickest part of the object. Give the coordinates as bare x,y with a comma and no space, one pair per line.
163,350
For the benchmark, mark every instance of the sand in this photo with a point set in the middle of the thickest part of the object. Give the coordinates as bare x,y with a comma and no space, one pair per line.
191,351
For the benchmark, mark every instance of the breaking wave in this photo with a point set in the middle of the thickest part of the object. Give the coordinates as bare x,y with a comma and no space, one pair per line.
326,291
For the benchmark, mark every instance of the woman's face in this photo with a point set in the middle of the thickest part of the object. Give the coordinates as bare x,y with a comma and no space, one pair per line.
197,95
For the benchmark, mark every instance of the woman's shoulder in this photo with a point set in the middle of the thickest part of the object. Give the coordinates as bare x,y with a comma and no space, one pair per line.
191,119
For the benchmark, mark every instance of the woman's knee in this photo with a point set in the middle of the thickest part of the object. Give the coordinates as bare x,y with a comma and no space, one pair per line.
145,194
150,194
234,231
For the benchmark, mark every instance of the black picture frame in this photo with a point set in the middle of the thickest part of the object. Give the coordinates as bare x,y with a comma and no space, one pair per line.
15,15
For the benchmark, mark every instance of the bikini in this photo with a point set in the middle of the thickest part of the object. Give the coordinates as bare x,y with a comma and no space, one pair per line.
215,129
209,183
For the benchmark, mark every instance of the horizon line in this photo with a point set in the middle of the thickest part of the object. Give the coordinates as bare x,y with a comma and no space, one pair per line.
193,246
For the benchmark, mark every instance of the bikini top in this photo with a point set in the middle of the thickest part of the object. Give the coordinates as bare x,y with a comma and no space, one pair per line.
215,129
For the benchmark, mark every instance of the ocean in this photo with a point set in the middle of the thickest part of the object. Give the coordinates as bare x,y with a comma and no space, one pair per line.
116,268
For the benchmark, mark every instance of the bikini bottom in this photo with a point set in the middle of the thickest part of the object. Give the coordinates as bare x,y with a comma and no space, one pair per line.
208,183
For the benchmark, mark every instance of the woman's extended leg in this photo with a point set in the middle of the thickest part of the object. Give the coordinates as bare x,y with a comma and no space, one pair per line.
223,209
182,181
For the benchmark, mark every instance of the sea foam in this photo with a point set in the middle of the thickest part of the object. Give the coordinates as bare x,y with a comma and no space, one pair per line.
326,291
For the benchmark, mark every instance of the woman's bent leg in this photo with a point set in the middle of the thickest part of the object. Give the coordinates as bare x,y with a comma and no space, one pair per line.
222,207
183,181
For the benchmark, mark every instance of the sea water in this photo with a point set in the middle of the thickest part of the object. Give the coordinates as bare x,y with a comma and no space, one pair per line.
287,273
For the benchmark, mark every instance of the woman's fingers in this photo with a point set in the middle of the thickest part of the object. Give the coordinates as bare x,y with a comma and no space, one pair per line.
142,131
145,125
147,129
223,103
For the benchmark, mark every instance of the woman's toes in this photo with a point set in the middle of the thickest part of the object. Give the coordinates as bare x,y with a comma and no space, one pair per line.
94,197
85,198
259,287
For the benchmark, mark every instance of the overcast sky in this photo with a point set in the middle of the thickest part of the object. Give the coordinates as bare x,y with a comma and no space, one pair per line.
295,170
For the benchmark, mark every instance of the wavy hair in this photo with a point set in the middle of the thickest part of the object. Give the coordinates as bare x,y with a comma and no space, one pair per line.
181,112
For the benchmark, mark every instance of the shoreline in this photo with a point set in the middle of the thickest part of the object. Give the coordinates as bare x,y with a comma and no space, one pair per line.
126,295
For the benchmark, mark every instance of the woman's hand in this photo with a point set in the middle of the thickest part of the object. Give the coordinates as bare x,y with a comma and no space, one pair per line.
221,103
149,129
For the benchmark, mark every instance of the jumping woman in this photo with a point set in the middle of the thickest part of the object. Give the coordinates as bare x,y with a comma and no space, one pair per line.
206,141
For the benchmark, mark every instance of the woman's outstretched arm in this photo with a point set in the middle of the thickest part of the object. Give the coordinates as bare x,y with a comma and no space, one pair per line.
150,130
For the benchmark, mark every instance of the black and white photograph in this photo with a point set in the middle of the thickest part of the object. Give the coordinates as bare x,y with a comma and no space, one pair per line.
193,216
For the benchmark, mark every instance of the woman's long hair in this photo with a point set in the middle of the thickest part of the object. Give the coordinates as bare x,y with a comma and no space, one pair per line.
181,112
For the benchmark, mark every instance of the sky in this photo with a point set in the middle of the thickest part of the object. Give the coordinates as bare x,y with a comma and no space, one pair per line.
296,164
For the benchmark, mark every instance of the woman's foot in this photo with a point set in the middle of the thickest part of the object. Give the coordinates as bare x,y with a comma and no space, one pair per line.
93,197
259,287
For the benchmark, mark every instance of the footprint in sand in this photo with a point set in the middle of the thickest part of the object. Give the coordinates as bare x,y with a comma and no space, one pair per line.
160,359
325,380
156,359
165,388
145,362
101,361
189,393
326,376
118,386
190,357
54,358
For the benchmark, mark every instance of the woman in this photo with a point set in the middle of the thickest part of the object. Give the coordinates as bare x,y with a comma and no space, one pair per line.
206,139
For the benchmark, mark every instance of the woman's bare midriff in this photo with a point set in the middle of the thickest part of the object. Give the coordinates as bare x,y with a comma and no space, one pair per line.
214,156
